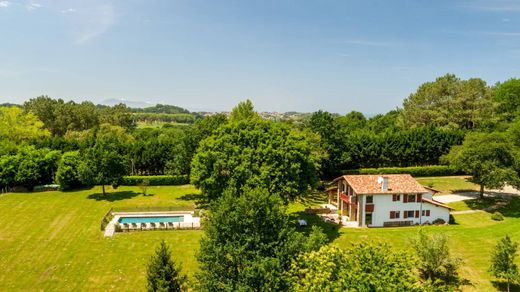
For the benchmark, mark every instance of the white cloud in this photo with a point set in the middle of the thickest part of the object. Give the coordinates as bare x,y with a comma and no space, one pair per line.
33,5
4,3
69,10
91,22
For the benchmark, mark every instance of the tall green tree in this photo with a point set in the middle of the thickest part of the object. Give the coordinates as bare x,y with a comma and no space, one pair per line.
507,95
256,153
163,274
117,115
67,175
331,140
248,244
105,162
503,264
362,267
15,125
437,268
489,159
449,102
243,111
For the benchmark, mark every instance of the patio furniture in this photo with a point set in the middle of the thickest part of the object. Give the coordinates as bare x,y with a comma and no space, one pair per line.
170,225
152,224
143,226
126,227
162,225
134,226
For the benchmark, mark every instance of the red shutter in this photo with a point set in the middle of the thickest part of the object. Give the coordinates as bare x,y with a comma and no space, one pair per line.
427,212
417,214
405,198
405,214
419,197
393,198
398,198
392,214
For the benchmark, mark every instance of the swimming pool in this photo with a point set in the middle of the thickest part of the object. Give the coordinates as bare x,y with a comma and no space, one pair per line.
151,219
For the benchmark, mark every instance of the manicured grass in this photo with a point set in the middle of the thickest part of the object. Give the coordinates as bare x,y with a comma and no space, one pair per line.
52,240
448,184
477,204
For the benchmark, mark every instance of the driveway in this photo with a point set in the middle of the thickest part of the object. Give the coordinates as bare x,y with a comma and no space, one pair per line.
506,193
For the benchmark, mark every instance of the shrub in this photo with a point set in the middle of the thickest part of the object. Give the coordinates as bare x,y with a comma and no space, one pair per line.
155,180
117,227
417,171
497,216
439,221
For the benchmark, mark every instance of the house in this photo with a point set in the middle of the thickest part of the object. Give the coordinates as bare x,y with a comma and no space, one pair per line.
387,200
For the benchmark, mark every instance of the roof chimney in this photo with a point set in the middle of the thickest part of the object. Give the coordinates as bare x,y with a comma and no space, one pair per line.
383,180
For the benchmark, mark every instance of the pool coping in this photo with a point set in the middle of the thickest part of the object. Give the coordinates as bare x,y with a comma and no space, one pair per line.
193,222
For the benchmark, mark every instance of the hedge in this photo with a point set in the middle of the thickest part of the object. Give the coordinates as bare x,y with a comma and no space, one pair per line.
155,180
417,171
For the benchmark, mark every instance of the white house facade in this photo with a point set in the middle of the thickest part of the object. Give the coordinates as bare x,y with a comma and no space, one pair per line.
387,200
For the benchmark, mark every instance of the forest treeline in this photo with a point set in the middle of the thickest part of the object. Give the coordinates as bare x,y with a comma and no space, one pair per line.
42,138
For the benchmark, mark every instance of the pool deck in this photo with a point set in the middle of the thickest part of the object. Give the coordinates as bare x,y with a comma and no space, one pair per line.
189,222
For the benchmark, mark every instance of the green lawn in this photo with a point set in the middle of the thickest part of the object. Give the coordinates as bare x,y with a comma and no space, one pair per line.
448,184
52,241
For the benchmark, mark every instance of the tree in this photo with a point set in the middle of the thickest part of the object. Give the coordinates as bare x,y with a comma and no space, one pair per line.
117,115
362,267
507,95
503,261
243,111
67,175
143,185
104,163
256,153
15,125
247,244
328,128
162,273
449,102
437,268
487,157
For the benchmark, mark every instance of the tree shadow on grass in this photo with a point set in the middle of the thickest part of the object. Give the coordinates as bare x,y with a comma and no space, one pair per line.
512,209
331,230
502,286
200,200
113,196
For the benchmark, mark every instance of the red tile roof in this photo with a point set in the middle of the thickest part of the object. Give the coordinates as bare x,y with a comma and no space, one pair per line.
397,184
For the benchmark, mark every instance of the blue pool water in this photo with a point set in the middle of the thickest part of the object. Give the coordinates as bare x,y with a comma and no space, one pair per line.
150,219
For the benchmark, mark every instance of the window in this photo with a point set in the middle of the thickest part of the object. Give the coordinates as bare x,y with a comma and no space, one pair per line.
408,214
370,199
396,198
426,212
411,199
395,214
417,214
368,219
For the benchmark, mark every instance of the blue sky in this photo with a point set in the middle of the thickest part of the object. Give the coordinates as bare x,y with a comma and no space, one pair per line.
283,55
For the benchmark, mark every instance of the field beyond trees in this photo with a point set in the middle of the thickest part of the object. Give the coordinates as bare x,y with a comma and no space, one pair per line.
52,240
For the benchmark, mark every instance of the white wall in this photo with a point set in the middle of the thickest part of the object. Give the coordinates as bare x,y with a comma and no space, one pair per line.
383,204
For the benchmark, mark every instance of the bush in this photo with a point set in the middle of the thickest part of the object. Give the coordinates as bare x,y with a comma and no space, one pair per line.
497,216
417,171
155,180
439,221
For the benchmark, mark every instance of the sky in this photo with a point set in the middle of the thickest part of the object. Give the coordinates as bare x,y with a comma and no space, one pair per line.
284,55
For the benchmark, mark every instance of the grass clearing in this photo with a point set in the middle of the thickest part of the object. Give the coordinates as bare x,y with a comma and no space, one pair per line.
448,184
52,240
